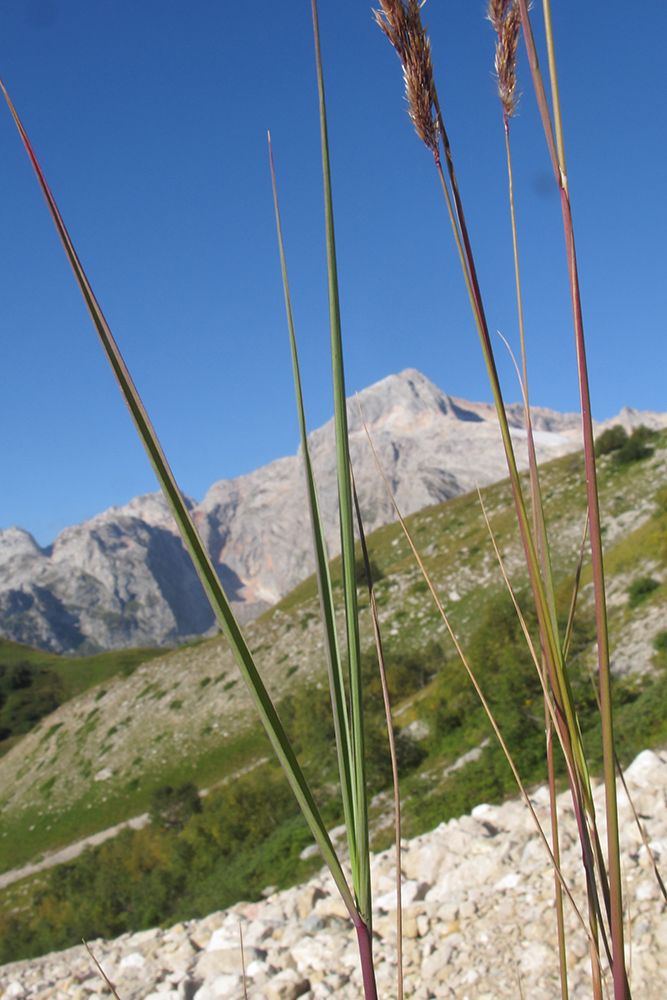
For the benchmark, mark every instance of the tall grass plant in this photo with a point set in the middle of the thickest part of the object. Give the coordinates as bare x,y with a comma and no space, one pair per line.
549,642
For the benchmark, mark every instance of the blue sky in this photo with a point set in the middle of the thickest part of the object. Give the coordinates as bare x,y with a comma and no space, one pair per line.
150,122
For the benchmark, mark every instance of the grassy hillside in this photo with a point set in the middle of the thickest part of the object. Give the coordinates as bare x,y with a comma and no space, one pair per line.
183,717
34,683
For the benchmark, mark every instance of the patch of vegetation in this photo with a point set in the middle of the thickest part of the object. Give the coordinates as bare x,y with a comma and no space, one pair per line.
502,664
187,862
51,731
79,673
34,683
360,571
28,692
48,785
640,589
636,447
171,808
610,440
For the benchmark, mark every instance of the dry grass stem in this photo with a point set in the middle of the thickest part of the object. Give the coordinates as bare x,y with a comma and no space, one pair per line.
401,23
505,16
635,814
245,985
101,971
485,704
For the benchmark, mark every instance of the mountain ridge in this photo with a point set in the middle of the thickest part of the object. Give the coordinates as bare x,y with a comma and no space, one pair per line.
123,578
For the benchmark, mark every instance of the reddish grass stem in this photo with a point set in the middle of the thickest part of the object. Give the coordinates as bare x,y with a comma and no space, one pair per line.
621,987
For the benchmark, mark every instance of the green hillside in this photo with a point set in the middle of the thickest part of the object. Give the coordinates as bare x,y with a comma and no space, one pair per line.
34,683
184,719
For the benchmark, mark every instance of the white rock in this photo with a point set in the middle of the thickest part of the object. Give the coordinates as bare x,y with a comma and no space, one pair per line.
510,881
135,960
648,889
387,901
643,771
220,940
218,987
287,985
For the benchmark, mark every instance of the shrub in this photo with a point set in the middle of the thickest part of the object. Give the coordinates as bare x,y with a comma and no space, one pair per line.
640,590
611,440
360,572
171,808
27,694
635,447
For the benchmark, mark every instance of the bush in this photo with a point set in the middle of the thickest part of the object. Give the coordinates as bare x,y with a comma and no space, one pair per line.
640,590
409,754
635,447
171,808
27,693
360,572
611,440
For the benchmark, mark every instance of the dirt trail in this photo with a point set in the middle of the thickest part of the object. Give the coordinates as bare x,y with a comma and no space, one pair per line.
71,851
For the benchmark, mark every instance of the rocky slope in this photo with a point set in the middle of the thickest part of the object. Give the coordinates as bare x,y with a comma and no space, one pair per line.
123,578
479,922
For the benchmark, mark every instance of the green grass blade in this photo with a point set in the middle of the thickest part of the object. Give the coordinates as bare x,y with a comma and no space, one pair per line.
391,738
361,865
334,662
195,546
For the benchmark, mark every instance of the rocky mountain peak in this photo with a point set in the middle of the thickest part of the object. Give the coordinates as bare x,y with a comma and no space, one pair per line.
124,579
16,543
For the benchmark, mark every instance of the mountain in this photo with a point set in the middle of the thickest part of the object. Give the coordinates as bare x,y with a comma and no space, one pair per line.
186,716
123,578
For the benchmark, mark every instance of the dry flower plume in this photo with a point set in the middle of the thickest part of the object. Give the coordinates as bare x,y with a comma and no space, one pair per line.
401,23
505,16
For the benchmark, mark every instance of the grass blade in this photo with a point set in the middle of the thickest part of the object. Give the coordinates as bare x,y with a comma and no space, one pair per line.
325,590
195,546
358,837
390,733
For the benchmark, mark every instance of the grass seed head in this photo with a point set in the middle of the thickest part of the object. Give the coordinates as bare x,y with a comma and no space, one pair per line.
401,23
505,16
